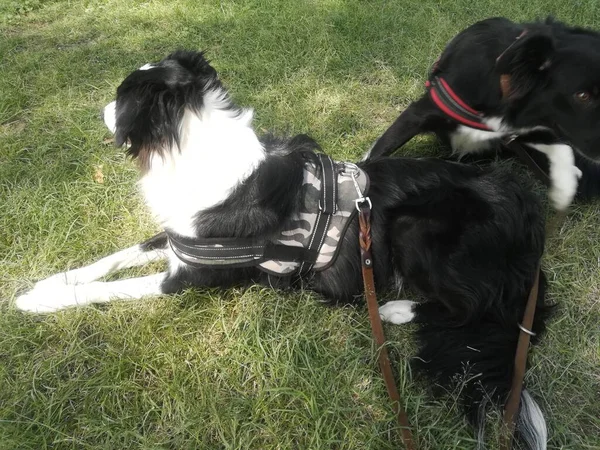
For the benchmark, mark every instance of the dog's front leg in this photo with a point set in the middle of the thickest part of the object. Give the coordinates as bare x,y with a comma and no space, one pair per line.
76,287
564,174
413,120
54,297
153,249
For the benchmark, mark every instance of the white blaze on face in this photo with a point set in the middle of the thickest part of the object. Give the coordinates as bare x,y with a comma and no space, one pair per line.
110,116
146,67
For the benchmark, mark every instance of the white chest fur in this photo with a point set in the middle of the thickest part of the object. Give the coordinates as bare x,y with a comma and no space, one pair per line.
217,151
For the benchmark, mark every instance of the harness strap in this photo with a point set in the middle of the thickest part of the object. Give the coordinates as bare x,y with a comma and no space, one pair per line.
329,182
366,257
242,252
230,252
327,206
282,252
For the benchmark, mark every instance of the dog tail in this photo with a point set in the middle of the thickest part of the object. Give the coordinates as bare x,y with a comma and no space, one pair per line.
531,424
476,361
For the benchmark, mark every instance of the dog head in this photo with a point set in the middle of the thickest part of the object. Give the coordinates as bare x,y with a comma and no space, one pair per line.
553,75
148,114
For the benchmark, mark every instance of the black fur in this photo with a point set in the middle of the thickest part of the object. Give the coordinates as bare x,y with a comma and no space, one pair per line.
554,82
180,79
469,240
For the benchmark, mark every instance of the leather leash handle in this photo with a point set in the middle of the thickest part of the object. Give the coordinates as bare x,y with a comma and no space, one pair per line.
511,408
364,238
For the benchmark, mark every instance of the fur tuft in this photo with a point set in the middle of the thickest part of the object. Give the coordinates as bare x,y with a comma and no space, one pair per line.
531,425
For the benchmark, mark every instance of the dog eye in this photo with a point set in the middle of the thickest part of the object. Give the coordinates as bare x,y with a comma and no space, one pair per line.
583,96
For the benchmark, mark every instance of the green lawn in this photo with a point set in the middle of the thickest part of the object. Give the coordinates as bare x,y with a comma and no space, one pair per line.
238,369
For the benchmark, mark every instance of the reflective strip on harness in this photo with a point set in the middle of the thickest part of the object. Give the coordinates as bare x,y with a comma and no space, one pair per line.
310,239
231,252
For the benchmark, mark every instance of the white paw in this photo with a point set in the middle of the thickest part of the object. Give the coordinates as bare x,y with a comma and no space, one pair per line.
49,299
564,187
563,173
397,312
560,199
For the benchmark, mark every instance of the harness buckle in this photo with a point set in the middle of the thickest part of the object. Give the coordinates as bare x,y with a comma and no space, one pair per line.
350,169
353,171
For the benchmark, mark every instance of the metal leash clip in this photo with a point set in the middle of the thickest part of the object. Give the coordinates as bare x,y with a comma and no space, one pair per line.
353,171
359,201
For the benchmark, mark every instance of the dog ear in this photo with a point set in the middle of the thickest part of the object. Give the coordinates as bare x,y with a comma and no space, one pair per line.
525,63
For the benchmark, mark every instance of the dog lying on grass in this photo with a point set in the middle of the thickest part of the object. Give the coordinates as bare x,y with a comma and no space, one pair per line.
237,209
499,81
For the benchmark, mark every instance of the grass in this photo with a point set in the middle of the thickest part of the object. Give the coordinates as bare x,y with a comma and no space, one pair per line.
237,369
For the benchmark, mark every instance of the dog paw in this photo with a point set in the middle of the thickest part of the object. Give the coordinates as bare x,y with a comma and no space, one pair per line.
397,312
560,199
564,187
49,299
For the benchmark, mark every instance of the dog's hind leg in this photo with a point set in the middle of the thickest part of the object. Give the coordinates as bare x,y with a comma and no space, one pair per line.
154,249
414,120
51,298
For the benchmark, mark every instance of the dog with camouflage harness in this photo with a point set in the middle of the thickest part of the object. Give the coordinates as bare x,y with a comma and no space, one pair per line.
237,210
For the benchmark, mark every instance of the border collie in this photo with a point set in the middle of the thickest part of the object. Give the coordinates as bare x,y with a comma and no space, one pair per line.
538,83
468,240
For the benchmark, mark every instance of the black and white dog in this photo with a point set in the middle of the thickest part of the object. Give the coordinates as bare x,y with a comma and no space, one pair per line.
469,240
497,81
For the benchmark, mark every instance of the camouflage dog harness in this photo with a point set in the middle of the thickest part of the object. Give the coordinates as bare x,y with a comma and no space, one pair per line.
309,241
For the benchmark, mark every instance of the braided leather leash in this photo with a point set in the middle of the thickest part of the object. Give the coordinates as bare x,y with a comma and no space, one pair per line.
364,238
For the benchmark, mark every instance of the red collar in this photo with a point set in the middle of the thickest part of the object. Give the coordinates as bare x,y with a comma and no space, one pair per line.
451,104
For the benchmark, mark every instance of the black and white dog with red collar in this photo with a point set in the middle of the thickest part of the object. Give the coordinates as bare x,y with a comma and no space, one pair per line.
498,81
237,209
